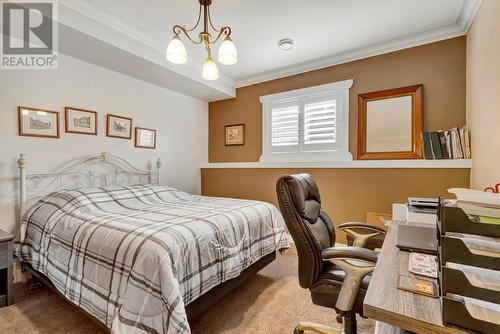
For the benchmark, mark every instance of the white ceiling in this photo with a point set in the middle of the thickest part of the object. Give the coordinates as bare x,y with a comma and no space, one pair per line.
325,32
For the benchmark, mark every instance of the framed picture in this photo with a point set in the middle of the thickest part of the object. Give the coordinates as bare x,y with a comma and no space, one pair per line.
235,134
38,122
80,121
390,124
118,126
145,138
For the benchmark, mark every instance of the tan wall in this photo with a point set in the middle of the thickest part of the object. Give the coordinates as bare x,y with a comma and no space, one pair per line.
347,194
483,94
439,66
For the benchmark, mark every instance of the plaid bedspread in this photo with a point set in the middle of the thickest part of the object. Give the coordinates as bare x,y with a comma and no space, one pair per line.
134,256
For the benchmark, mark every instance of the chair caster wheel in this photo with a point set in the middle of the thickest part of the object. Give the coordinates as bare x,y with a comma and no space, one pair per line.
298,331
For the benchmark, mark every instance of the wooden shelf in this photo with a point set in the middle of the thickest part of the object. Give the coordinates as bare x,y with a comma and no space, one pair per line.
413,163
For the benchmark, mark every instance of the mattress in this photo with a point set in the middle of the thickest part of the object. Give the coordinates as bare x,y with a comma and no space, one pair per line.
133,257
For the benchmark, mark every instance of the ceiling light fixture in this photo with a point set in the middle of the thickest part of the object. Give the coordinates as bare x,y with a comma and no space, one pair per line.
285,44
176,52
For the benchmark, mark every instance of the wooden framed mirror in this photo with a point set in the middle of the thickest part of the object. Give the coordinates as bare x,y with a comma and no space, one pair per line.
390,123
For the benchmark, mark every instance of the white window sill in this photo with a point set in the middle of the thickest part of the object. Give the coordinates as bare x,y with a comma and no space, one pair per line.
413,163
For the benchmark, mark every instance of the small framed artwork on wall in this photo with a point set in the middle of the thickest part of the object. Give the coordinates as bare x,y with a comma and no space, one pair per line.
145,138
35,122
80,121
118,127
235,134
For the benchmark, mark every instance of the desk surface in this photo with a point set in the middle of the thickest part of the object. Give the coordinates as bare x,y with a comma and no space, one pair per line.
386,303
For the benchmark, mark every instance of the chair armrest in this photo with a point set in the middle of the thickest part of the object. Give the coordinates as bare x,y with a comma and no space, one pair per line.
350,253
360,239
346,258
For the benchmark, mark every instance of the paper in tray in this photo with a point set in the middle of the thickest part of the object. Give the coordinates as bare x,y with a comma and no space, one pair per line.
479,277
480,309
480,245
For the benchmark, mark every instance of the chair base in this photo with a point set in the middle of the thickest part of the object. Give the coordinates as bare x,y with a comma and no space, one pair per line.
349,320
315,328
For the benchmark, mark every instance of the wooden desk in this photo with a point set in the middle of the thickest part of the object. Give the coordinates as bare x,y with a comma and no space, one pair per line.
407,310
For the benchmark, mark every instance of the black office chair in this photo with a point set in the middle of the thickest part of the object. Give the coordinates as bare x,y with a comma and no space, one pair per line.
336,276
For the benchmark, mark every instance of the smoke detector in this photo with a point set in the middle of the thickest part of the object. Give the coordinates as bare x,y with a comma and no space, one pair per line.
285,44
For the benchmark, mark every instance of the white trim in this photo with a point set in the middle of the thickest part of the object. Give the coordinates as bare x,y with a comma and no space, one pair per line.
302,92
340,150
390,164
459,28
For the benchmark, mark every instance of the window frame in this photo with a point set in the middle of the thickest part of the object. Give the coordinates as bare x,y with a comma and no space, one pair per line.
341,151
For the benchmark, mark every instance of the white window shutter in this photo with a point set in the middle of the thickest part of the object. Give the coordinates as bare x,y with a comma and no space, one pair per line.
320,122
308,124
285,125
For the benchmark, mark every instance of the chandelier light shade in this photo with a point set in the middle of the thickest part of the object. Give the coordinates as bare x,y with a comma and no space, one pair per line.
227,52
210,70
176,52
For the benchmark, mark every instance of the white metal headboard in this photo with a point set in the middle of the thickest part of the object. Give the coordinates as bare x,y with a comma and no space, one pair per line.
93,171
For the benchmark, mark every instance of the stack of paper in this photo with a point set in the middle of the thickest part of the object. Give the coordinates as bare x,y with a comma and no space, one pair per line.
483,206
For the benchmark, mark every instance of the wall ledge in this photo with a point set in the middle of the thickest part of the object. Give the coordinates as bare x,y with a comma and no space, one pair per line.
413,163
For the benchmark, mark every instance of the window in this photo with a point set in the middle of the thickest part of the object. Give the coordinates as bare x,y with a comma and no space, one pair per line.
307,125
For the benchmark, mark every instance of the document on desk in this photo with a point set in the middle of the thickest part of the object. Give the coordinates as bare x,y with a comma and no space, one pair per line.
423,264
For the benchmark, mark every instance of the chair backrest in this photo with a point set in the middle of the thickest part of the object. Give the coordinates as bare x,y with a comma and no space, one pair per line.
311,228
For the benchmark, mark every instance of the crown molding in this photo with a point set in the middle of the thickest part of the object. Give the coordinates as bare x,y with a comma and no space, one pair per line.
139,34
130,30
459,28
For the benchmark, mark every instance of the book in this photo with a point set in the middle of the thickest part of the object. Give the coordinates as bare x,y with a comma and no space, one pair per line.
461,133
468,154
419,286
436,145
444,148
449,142
456,144
426,144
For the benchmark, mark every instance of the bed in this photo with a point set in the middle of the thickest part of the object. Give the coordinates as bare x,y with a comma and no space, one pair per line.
137,256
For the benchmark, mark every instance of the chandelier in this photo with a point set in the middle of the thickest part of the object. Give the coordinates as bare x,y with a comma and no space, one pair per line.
176,52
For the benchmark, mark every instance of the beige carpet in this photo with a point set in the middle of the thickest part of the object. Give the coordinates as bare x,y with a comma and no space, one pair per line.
269,303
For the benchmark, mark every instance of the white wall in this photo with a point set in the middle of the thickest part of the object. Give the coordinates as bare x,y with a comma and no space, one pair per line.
483,94
181,121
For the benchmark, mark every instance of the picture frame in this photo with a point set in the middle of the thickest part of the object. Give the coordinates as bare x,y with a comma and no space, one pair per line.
118,126
234,134
35,122
390,123
145,138
80,121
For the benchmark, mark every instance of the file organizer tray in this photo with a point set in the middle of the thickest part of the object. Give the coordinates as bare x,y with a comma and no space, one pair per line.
455,313
454,219
455,250
455,281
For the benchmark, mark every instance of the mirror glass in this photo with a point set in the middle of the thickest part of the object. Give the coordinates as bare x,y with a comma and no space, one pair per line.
389,125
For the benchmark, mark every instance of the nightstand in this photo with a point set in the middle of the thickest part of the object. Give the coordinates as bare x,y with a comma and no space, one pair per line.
6,274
